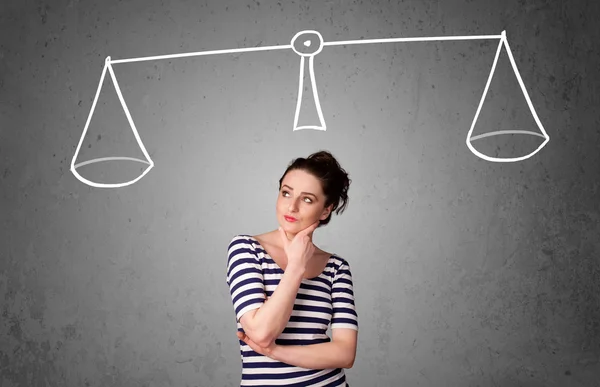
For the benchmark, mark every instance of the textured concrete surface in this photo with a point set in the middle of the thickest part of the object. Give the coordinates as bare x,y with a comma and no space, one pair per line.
467,272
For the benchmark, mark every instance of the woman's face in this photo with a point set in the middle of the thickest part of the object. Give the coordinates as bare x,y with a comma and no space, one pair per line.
300,197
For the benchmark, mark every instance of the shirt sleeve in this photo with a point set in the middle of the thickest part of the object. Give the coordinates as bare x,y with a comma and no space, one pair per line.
244,276
344,311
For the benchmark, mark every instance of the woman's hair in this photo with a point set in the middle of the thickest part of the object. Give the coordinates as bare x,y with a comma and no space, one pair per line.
334,180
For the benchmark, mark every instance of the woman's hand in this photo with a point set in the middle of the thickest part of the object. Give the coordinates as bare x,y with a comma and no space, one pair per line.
255,347
300,249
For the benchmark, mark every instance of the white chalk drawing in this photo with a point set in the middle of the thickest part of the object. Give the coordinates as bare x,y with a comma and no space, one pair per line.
313,82
301,44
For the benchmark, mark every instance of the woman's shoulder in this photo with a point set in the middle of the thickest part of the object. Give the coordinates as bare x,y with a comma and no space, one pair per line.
242,240
241,236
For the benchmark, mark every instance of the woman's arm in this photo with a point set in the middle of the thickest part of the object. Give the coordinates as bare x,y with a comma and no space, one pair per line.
269,321
266,323
262,321
339,353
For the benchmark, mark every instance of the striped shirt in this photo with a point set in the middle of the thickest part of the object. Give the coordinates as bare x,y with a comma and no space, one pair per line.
323,301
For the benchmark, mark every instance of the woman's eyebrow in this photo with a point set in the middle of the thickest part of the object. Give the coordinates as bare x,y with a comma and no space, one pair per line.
308,193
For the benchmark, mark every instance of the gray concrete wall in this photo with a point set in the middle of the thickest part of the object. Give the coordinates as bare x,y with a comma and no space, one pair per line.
467,272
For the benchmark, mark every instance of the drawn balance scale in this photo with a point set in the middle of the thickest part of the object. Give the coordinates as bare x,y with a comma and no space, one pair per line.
307,44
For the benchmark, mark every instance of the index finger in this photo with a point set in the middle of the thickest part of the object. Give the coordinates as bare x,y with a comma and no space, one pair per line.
310,228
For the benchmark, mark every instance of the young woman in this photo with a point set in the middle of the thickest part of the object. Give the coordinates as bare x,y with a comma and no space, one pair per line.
286,291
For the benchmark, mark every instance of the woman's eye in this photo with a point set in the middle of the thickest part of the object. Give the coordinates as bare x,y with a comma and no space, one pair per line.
285,192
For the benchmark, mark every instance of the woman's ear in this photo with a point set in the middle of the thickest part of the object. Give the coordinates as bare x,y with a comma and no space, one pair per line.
327,211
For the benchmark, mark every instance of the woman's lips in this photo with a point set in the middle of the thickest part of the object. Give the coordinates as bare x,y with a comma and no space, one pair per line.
289,219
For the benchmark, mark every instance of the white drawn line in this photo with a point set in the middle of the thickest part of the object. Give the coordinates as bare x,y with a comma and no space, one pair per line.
499,132
201,53
87,124
311,69
485,90
322,126
504,41
514,66
419,39
107,65
313,82
287,46
300,88
100,159
126,109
